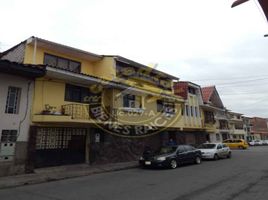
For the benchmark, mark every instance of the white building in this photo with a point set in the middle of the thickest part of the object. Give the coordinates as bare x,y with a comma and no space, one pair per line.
16,89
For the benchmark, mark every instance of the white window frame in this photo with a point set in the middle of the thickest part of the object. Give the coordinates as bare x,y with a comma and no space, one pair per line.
15,106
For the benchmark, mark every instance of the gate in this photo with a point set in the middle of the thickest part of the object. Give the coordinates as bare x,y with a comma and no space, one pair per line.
59,146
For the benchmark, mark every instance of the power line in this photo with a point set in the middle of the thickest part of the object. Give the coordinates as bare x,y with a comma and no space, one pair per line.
232,78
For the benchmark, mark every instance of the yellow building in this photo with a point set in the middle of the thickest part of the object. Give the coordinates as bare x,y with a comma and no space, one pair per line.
87,106
192,130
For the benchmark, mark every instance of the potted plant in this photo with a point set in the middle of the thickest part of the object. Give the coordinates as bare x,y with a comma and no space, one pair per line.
49,110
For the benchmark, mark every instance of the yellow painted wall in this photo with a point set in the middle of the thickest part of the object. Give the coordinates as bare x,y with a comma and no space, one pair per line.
87,67
150,116
105,68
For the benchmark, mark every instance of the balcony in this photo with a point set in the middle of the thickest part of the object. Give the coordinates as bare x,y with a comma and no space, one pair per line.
85,112
78,113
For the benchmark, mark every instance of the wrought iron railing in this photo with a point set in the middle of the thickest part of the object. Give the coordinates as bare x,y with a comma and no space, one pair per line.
82,111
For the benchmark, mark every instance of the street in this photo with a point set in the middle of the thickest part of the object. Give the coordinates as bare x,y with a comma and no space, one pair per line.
244,176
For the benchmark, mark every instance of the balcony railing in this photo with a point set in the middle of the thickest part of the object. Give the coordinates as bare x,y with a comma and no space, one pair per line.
76,111
82,111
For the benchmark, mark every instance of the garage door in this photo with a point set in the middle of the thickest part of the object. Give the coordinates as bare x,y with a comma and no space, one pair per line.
59,146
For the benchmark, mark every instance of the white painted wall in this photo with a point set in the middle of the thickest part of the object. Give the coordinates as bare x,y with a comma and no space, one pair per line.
16,121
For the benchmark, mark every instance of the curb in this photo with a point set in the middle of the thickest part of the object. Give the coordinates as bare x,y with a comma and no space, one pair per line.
32,179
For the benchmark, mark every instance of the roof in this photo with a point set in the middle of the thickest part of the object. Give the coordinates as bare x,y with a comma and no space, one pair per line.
57,47
263,4
139,65
64,49
29,71
207,92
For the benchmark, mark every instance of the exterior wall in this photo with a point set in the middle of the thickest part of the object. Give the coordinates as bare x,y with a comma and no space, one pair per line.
87,67
149,116
111,149
19,122
194,121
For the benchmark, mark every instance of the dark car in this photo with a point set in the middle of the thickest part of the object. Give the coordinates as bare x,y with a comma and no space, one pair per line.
171,156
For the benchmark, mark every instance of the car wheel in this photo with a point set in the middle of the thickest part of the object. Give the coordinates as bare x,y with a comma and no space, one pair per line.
240,147
216,157
229,155
173,164
198,160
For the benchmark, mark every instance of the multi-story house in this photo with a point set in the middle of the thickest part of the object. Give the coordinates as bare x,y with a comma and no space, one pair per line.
193,131
259,128
247,128
236,125
215,115
16,89
87,106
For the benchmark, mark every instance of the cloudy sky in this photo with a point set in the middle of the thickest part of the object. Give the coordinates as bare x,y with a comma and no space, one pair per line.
203,41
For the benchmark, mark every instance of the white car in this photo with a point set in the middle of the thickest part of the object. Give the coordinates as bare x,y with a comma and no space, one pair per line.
215,151
255,143
265,142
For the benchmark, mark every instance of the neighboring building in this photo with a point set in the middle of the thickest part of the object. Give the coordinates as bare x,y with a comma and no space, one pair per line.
259,128
215,115
236,125
87,105
247,128
16,89
193,130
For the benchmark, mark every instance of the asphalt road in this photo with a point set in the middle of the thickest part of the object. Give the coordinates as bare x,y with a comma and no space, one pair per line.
244,176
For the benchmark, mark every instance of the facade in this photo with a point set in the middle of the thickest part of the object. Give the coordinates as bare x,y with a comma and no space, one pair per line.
259,128
215,115
237,126
87,106
193,131
247,128
16,88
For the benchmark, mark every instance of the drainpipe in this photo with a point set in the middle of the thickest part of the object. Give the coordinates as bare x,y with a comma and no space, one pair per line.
34,51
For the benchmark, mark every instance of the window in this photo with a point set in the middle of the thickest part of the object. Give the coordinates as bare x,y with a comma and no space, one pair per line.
12,102
187,110
62,63
191,108
209,117
196,111
9,136
160,105
129,101
166,107
76,93
191,90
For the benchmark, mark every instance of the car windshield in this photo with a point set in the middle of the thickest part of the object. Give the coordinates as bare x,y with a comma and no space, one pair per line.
207,146
164,150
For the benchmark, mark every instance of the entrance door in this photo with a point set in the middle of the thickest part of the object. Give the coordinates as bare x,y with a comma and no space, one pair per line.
59,146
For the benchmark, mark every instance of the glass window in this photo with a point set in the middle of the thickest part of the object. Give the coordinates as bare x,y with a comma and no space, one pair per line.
188,148
62,63
9,136
12,102
187,110
129,101
76,93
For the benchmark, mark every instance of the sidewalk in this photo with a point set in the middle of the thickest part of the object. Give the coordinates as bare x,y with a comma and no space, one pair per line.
62,172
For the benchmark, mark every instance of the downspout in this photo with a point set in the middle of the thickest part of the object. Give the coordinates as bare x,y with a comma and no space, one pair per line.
34,51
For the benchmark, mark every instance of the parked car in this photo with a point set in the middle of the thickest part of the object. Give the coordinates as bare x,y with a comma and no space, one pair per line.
265,142
171,156
256,143
215,151
236,143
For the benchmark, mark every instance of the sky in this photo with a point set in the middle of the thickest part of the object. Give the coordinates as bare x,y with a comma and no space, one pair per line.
203,41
